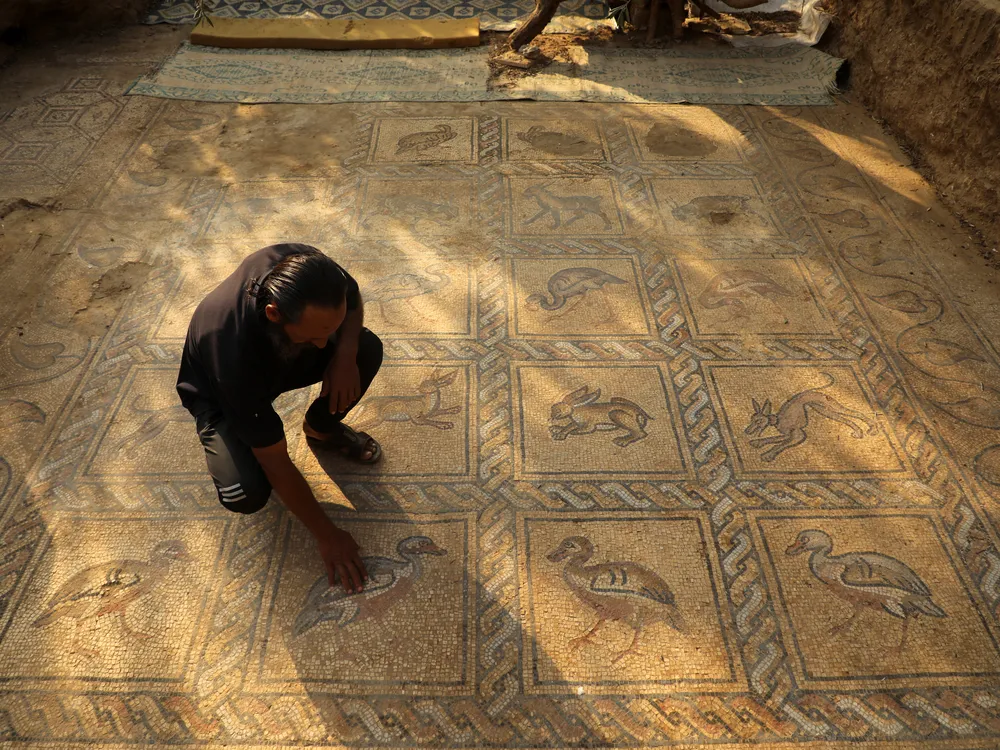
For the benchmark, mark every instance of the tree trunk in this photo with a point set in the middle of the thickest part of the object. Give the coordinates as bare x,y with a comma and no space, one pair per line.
654,20
534,24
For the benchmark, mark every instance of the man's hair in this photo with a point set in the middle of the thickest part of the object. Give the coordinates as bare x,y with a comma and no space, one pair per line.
304,277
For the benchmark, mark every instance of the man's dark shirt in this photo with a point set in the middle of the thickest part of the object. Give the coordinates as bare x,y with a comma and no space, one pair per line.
230,364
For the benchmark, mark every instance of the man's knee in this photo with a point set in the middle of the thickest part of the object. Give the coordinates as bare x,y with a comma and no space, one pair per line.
244,496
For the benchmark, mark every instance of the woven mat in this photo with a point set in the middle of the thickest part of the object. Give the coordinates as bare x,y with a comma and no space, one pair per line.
790,75
494,15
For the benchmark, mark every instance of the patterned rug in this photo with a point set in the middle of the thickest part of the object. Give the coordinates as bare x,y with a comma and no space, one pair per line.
783,76
494,15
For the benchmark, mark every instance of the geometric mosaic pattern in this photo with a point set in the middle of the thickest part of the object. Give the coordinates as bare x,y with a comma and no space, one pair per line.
493,14
682,446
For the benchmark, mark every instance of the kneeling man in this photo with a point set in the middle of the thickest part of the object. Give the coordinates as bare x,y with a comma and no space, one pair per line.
286,318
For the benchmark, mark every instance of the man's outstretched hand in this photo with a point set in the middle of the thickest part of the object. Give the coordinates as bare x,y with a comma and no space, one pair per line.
340,555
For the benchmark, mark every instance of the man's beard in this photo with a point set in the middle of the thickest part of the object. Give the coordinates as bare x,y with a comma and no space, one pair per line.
286,349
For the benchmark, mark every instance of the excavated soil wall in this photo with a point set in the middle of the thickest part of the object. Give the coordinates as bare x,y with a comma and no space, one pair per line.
931,72
53,18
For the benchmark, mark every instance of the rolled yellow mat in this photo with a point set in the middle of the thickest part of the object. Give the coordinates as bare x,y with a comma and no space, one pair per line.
326,33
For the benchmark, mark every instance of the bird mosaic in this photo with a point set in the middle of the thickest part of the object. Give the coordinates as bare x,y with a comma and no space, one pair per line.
19,411
617,592
417,142
110,588
867,580
389,581
151,427
734,288
554,142
403,288
571,285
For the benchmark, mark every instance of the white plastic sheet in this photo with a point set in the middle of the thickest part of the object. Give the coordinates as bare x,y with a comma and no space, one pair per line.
811,28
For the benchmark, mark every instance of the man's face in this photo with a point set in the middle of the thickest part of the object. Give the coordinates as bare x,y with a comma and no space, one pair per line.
314,328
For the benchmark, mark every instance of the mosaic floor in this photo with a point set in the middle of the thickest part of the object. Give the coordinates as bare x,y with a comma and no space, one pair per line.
690,415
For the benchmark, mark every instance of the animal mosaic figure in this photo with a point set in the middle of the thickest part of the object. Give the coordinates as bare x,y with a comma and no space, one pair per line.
152,426
248,211
254,212
417,142
554,142
389,581
867,580
572,284
733,288
617,592
555,206
581,413
670,139
195,289
18,411
717,210
422,409
411,210
404,287
110,589
792,419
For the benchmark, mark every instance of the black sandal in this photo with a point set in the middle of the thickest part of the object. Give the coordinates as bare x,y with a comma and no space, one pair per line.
353,444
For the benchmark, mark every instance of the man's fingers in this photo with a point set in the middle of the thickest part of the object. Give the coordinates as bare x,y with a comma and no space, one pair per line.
361,566
352,568
331,575
345,580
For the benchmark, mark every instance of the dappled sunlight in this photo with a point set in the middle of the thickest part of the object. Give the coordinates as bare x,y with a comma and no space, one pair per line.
873,158
676,447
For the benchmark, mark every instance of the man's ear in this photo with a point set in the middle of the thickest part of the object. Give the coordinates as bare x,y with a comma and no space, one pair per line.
271,311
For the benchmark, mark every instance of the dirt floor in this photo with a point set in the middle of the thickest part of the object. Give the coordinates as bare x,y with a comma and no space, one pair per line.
667,390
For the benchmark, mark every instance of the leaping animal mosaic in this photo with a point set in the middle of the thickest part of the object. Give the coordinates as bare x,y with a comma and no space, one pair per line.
867,580
792,419
389,581
423,408
580,412
556,206
417,142
572,285
402,288
733,288
617,591
555,142
412,211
